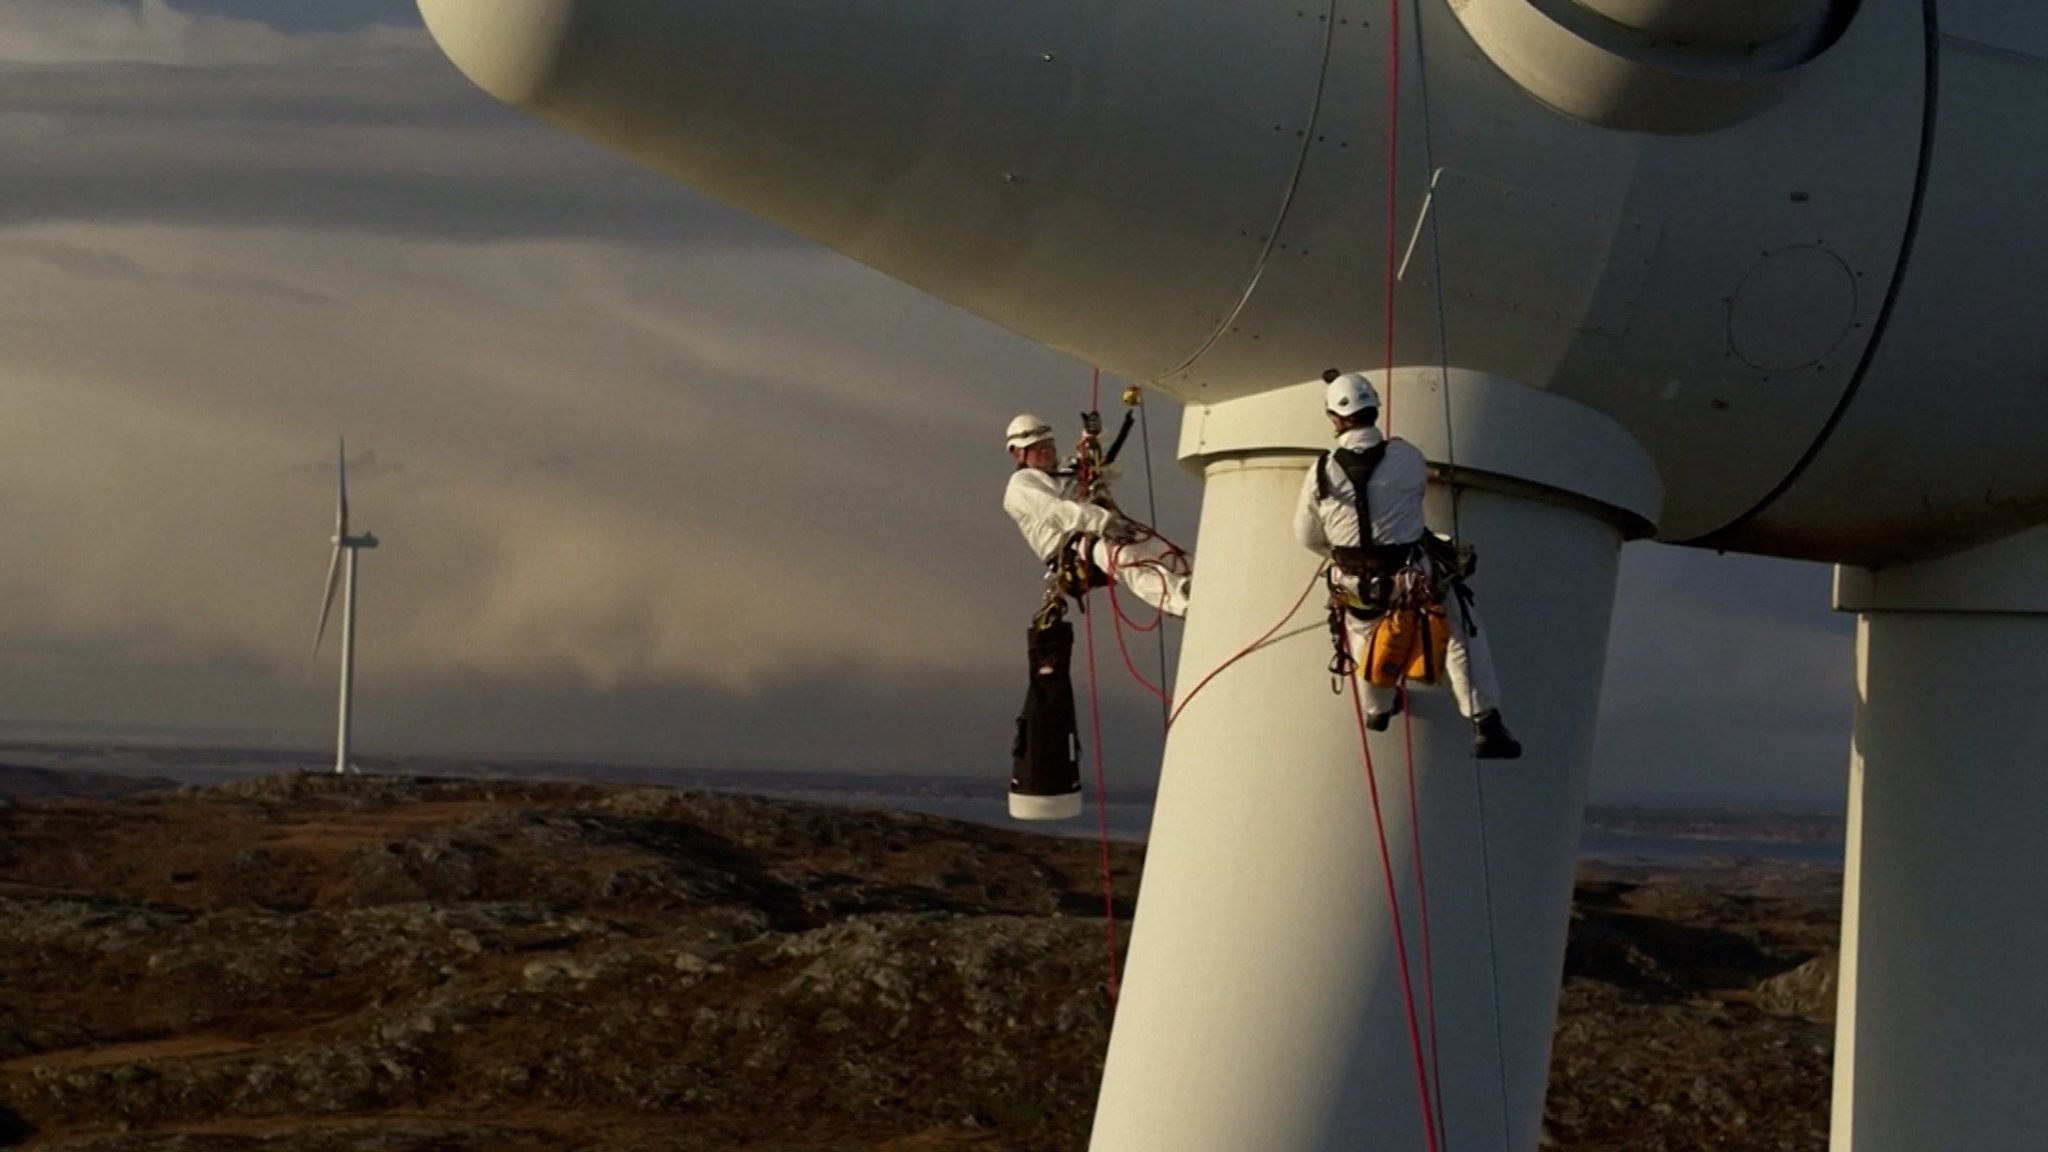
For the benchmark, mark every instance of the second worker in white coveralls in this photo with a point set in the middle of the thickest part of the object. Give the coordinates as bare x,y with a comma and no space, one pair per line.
1044,505
1389,536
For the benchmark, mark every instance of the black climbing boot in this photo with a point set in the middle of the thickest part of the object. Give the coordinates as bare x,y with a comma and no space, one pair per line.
1378,721
1490,738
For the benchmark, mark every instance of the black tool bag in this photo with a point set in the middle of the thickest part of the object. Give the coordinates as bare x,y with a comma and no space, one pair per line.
1047,750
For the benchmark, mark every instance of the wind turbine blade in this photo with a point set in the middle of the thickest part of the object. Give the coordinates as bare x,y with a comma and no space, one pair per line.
341,492
327,604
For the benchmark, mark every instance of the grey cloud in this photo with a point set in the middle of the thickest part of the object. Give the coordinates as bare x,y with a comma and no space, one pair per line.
158,32
545,463
415,88
727,473
470,189
363,464
253,284
368,80
407,147
85,260
311,15
81,259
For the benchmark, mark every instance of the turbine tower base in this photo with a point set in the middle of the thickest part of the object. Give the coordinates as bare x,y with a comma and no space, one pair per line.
1942,1031
1263,1006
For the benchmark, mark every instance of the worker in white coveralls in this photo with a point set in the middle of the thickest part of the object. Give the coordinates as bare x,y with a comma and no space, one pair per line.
1365,563
1043,503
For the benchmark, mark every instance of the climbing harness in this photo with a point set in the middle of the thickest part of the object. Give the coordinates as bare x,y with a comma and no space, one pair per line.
1400,586
1070,575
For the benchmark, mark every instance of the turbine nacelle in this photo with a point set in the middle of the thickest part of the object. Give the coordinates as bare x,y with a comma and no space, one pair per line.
1695,218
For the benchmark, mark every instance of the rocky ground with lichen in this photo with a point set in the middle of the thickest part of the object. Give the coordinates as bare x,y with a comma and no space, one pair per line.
391,963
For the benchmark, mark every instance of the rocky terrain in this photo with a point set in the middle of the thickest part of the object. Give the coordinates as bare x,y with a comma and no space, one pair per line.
392,963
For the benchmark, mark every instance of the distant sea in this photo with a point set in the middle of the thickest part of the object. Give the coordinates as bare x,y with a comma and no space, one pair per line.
1640,835
1720,842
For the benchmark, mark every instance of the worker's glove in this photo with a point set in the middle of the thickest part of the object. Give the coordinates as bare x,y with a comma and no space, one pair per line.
1120,531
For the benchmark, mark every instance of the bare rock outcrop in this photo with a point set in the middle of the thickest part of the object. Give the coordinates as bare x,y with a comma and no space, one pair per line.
389,963
1807,991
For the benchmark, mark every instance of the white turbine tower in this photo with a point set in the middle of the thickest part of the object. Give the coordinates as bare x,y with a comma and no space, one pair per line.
344,545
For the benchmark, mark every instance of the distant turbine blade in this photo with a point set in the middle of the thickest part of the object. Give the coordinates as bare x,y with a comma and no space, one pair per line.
327,605
341,493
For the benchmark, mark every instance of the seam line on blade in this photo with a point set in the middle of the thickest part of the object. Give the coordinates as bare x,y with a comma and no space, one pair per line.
1308,142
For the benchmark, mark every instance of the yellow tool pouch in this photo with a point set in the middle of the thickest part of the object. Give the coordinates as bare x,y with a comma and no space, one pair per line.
1408,645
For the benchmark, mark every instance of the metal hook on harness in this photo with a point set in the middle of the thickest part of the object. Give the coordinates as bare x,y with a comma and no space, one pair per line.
1343,665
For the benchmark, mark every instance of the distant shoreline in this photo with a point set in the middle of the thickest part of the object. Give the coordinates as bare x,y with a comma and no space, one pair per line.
1631,834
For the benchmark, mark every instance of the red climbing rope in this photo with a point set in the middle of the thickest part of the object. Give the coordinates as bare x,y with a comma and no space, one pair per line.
1102,817
1095,724
1167,568
1246,650
1119,620
1430,1115
1422,907
1422,1079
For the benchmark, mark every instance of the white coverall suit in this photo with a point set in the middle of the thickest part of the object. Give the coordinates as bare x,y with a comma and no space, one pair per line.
1394,495
1045,510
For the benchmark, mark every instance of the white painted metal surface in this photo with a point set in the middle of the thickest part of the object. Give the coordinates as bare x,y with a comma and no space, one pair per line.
1819,317
1944,440
1485,429
1720,24
1261,1007
1193,192
1032,163
1652,65
2009,576
1943,1009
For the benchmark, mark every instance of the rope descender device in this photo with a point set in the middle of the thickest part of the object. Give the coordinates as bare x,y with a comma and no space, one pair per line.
1089,459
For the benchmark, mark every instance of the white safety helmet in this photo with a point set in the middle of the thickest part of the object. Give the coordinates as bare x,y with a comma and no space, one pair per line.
1027,430
1350,394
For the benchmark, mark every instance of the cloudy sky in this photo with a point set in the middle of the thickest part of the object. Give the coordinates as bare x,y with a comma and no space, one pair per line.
620,443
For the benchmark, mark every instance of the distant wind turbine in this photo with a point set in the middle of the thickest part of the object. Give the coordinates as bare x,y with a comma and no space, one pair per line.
343,543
